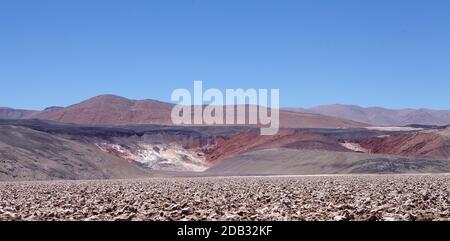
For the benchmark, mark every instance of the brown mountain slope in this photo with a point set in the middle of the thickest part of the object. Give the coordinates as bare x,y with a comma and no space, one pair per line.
293,119
111,110
115,110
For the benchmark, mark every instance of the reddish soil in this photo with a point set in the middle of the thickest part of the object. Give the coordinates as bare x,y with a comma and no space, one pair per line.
420,144
252,140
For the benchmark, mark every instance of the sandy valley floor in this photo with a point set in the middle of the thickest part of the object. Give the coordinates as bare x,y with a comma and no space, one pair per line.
387,197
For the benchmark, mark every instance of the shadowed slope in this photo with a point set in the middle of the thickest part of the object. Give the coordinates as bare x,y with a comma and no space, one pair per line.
282,161
26,154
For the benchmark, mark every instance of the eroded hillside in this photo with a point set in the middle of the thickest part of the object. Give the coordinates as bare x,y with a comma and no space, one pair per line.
39,150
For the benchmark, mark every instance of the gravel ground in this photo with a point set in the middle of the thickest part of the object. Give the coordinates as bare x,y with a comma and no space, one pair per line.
395,197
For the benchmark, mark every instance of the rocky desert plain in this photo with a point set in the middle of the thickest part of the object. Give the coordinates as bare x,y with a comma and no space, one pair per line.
279,198
111,158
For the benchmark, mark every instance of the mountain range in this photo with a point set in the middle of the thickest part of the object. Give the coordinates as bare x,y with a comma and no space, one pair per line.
116,110
382,116
110,136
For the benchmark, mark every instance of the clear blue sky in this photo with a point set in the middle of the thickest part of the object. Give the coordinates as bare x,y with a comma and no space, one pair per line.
366,52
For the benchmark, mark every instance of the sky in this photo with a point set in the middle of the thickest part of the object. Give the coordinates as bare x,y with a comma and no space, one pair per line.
394,54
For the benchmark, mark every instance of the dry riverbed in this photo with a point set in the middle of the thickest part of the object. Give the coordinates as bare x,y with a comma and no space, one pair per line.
387,197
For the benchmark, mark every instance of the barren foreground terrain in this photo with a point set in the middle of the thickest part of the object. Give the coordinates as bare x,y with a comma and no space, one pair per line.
387,197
